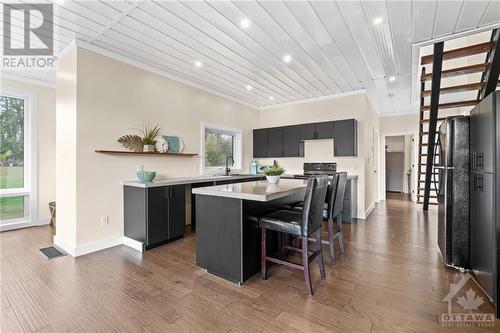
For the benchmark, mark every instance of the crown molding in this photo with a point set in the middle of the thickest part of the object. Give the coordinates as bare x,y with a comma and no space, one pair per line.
314,99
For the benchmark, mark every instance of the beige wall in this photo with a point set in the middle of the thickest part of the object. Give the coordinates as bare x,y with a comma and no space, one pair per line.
46,139
354,106
112,98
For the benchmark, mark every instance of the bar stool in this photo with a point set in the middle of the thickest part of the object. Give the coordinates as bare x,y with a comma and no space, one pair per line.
333,210
300,224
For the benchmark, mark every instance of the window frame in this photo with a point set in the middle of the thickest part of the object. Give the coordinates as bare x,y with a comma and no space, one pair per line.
29,189
237,148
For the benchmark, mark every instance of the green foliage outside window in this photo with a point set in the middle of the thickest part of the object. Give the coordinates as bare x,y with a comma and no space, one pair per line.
217,147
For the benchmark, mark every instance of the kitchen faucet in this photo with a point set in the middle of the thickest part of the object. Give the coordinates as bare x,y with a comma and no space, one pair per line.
227,164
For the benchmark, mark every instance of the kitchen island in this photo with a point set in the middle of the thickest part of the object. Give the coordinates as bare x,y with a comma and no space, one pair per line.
227,232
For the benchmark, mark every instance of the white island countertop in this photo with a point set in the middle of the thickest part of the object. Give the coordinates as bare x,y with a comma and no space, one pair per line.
255,191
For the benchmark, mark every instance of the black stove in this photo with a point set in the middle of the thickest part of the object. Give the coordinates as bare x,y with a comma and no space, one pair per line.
311,169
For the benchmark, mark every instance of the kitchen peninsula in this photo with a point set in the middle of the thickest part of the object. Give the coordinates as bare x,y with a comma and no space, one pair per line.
227,232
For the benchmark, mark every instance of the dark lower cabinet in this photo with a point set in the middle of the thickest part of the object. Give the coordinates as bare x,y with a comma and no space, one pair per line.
345,138
154,215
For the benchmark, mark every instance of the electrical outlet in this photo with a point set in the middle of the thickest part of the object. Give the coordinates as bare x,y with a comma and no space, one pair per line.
104,220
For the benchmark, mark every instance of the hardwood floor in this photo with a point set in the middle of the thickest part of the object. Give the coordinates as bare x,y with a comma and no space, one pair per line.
390,280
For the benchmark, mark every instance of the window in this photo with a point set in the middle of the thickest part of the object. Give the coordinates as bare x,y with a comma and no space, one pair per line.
217,144
17,167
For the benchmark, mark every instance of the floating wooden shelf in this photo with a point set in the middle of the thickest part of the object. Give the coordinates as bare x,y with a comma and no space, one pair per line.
125,152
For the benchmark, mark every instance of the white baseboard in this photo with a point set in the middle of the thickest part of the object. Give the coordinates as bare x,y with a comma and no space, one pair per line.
136,245
80,250
369,210
65,246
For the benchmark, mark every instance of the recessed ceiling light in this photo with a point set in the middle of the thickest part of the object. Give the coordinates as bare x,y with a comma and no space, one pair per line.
249,87
378,20
392,78
287,58
271,98
245,23
198,64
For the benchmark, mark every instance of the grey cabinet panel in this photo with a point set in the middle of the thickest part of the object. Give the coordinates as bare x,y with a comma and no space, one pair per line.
157,225
134,213
345,140
275,142
324,130
307,131
176,211
291,141
260,143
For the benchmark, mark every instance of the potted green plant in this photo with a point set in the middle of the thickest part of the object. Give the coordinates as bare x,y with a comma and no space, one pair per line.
150,134
273,174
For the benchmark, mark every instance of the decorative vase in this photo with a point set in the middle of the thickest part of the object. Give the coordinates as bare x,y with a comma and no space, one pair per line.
149,148
273,179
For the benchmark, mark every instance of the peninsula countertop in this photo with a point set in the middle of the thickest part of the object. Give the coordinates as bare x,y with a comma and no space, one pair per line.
190,180
254,191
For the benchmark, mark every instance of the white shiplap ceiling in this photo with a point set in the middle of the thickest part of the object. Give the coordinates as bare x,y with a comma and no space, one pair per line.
335,47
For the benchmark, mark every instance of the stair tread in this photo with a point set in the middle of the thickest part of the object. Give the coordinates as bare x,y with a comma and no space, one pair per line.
460,52
470,102
470,69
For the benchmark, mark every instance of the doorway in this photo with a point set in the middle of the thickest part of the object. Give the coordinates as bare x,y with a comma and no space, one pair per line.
398,165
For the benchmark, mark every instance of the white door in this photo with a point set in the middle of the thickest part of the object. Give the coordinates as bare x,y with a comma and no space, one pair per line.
17,160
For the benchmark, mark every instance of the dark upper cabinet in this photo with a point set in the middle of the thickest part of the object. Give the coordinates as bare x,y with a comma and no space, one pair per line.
288,141
345,139
275,142
291,141
260,143
307,131
324,130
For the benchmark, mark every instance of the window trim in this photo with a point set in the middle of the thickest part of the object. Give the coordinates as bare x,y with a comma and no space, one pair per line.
30,162
237,148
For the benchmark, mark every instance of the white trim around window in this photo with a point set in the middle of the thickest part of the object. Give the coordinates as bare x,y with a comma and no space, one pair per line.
237,148
29,191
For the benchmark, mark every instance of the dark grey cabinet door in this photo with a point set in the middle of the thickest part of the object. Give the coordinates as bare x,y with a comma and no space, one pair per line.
486,136
291,141
275,142
157,226
324,130
307,131
482,230
176,211
345,139
475,133
260,143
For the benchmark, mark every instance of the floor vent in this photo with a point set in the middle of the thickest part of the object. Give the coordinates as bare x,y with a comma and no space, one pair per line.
51,252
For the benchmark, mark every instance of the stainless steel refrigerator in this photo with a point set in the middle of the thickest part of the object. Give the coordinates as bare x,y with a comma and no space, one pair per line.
484,194
452,189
